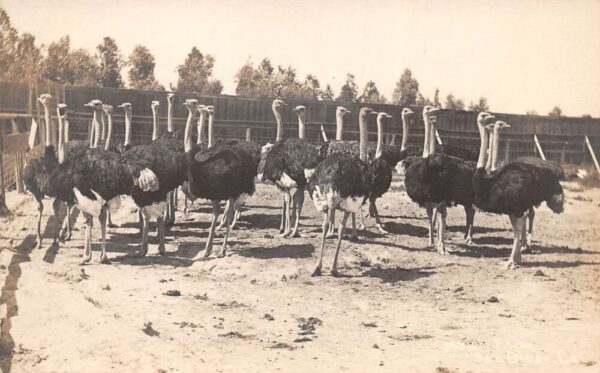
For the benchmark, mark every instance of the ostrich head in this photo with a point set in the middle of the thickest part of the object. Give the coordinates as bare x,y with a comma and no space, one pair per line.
61,110
429,113
209,109
501,124
407,111
300,110
125,106
96,104
364,111
278,104
484,119
382,115
155,104
45,99
191,104
342,111
170,96
201,108
108,109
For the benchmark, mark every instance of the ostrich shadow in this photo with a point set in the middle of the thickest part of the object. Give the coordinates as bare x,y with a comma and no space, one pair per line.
557,264
478,251
281,251
397,274
189,249
150,260
406,229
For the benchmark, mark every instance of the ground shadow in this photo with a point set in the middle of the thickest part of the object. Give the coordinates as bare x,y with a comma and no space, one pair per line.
476,229
539,250
493,240
281,251
478,251
154,260
557,264
262,221
406,229
394,275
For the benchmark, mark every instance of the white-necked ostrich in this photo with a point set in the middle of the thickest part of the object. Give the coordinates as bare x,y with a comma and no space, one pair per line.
287,164
341,182
513,189
218,173
94,179
38,170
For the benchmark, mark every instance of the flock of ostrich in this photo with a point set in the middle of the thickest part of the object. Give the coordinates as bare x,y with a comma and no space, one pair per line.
337,174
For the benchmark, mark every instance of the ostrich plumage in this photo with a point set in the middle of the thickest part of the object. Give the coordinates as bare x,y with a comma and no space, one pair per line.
340,182
513,189
218,173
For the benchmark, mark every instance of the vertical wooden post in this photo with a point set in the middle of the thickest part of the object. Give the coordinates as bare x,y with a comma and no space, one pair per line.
589,145
3,208
562,152
539,147
507,151
19,171
248,134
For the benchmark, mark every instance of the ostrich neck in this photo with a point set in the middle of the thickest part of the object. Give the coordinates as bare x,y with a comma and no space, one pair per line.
96,125
404,132
339,126
432,137
48,124
108,132
127,128
170,116
489,152
154,124
301,127
188,131
482,146
379,149
362,124
66,130
103,124
61,148
200,128
279,135
210,129
426,138
495,147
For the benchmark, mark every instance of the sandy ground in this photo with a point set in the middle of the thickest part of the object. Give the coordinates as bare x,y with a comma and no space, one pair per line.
400,306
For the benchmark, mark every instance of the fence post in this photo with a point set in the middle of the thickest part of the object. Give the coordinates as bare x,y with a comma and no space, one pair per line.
539,147
248,134
3,209
562,152
19,171
589,145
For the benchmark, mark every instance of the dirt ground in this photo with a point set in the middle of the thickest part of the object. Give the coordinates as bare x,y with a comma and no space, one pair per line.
399,307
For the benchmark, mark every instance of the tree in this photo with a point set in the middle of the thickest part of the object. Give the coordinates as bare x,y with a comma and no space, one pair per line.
453,103
586,116
28,57
436,98
8,45
195,75
556,112
531,112
84,68
110,63
214,88
141,72
371,95
57,64
406,90
422,100
481,105
349,90
327,94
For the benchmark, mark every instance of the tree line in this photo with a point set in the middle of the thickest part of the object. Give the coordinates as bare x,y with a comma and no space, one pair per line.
22,60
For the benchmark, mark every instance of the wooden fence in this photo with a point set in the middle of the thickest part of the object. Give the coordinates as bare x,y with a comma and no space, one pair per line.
562,139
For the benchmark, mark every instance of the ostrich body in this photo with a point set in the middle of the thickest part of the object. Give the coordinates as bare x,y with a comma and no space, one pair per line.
287,164
340,182
513,189
217,173
94,180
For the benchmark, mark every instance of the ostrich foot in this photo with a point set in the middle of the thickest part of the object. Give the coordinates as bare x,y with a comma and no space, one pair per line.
529,239
38,244
316,271
381,229
161,250
64,235
469,241
525,249
287,234
222,253
334,272
361,227
511,264
85,261
104,259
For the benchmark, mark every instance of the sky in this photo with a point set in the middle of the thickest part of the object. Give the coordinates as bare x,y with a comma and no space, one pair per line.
521,55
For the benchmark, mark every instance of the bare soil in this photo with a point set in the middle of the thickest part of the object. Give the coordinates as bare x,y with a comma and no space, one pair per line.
398,307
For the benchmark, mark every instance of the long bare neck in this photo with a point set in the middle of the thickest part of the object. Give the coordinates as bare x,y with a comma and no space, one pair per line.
48,124
154,124
490,151
127,128
188,131
61,147
495,148
96,124
108,132
170,116
432,137
482,146
66,129
379,149
210,129
339,126
103,125
279,135
200,128
426,138
362,126
404,132
301,127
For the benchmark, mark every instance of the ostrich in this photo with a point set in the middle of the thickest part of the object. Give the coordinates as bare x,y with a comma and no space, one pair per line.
217,173
126,106
342,182
200,144
513,189
95,179
38,169
287,164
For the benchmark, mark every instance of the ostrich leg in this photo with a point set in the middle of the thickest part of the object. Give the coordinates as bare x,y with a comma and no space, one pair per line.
325,229
530,218
441,245
87,246
160,222
375,213
342,226
298,203
65,231
103,220
515,256
470,212
229,218
236,215
145,221
331,232
109,220
430,216
287,213
211,234
354,235
283,207
38,244
224,216
524,246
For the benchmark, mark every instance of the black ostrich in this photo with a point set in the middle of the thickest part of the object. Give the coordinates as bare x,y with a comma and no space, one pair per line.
94,179
218,173
40,167
343,182
514,188
287,164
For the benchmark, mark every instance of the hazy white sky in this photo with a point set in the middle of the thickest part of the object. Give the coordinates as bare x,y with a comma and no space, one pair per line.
521,55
